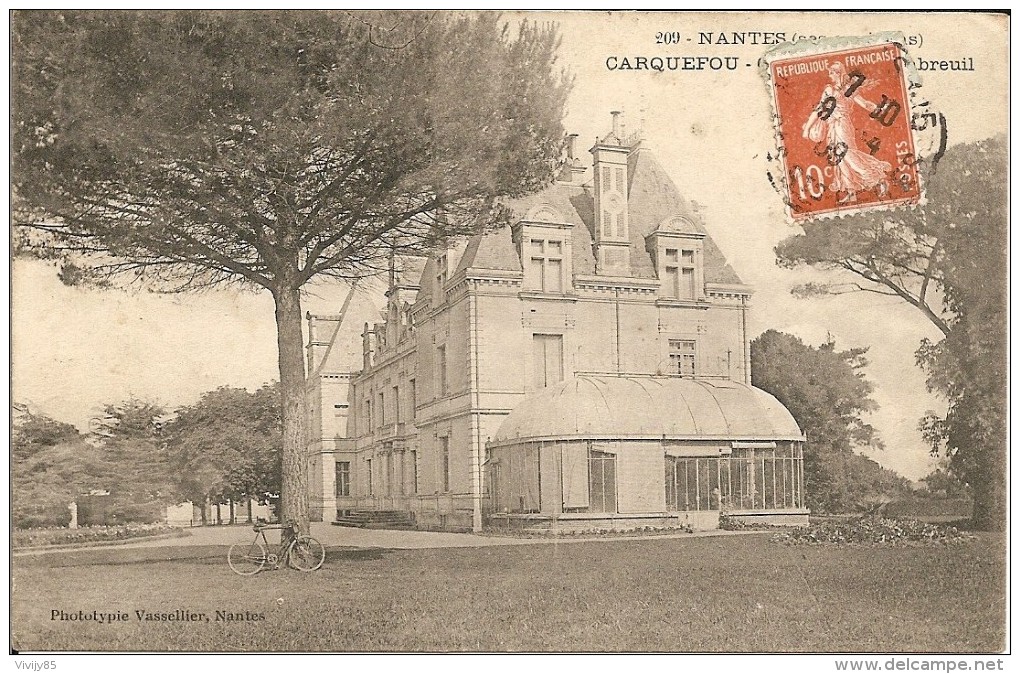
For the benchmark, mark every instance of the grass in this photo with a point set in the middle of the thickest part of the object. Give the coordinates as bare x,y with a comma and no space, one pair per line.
732,594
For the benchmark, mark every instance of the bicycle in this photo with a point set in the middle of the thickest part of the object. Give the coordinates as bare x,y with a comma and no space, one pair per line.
300,552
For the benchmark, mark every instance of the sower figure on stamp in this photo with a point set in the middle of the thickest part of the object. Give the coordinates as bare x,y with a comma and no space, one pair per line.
854,170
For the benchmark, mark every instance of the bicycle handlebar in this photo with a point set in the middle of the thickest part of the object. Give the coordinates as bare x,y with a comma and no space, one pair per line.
262,525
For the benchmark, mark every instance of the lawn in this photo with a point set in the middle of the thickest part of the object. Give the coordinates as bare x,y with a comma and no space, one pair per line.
738,593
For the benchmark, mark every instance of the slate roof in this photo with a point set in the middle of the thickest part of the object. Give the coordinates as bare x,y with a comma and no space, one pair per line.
652,198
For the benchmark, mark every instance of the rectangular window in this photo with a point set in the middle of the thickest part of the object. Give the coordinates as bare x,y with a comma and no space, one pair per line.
548,359
444,466
371,490
683,357
442,383
412,460
414,401
687,281
368,414
382,409
677,274
601,482
746,480
687,284
671,274
545,266
340,410
343,478
396,404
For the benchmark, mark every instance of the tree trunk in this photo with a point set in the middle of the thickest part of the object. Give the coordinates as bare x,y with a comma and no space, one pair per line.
989,490
294,496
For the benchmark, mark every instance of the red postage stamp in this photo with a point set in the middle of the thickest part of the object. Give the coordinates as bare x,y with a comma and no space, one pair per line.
844,125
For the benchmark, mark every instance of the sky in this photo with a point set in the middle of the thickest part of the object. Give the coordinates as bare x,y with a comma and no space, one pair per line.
76,349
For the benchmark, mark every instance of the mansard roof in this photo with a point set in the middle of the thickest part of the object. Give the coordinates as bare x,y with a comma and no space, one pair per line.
606,407
652,199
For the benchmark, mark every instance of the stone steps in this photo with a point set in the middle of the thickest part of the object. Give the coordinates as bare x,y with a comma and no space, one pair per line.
375,519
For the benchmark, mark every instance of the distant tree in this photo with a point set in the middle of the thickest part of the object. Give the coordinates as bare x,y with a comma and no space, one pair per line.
124,455
872,486
947,259
940,482
268,149
49,467
827,393
228,445
37,432
132,458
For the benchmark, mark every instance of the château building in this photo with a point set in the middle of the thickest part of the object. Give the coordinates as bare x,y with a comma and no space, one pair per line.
586,366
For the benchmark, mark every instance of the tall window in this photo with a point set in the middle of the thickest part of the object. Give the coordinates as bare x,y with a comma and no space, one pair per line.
412,459
442,383
687,274
382,409
343,478
414,400
548,359
396,404
678,274
601,482
671,274
544,270
368,414
683,356
444,466
371,491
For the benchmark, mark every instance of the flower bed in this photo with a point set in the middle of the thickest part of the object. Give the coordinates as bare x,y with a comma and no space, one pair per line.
33,538
587,533
873,531
731,523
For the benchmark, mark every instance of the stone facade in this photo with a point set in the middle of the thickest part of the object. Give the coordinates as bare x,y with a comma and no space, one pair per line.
607,273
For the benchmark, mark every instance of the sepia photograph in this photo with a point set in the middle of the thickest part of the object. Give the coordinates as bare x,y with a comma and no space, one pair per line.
433,331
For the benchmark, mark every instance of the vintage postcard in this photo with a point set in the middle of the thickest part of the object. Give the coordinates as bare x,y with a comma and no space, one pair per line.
430,331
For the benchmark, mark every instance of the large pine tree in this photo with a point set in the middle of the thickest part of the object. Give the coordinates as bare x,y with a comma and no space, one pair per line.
267,149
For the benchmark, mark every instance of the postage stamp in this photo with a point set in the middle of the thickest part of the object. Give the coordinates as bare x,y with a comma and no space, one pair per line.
843,123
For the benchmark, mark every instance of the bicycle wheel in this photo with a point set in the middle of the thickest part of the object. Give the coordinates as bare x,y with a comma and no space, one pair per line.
247,559
306,554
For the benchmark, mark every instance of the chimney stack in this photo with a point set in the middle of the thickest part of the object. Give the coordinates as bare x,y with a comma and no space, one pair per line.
572,147
617,124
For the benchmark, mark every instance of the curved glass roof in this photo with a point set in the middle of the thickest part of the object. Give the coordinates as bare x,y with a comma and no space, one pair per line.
647,407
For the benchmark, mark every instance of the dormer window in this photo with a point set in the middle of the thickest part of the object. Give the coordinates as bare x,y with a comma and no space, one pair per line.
544,269
679,260
679,274
544,245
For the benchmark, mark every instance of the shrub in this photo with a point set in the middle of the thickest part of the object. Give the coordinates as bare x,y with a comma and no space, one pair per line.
872,531
731,523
